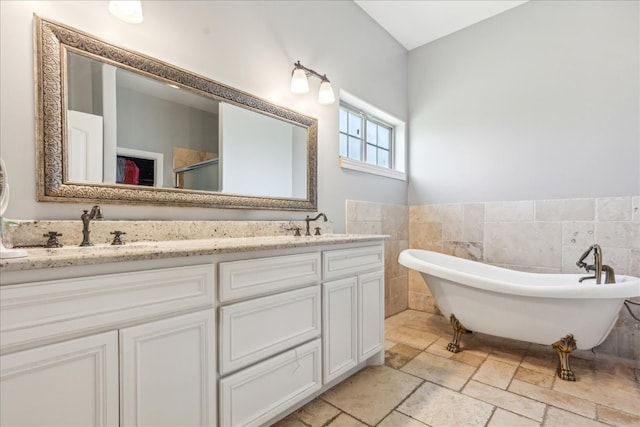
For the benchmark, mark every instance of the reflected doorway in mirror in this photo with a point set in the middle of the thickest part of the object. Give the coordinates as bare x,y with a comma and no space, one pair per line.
138,167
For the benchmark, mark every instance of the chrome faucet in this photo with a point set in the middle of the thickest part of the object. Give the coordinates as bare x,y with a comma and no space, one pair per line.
597,267
308,220
86,217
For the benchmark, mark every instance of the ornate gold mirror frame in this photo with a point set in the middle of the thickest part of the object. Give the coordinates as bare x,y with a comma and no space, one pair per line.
52,42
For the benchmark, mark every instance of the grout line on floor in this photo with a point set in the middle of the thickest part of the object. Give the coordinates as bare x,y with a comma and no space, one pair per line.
405,398
342,411
495,408
330,420
544,415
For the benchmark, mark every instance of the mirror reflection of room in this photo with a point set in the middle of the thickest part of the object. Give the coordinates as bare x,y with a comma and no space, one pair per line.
124,128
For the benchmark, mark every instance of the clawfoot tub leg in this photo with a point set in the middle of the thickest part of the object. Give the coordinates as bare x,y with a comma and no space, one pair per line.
563,348
458,330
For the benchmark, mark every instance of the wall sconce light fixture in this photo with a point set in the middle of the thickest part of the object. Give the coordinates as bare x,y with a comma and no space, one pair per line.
300,83
127,10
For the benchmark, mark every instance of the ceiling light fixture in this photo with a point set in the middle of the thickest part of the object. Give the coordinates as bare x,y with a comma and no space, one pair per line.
300,83
127,10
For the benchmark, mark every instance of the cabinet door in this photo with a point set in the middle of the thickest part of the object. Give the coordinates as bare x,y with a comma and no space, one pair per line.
370,314
168,372
73,383
339,325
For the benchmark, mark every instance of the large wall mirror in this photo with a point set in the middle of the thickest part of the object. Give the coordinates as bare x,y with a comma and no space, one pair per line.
117,126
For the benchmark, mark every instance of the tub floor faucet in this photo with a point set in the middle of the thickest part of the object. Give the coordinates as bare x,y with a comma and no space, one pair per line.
309,219
86,217
597,266
597,263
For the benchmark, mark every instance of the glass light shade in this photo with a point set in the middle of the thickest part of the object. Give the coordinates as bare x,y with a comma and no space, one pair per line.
299,82
127,10
325,93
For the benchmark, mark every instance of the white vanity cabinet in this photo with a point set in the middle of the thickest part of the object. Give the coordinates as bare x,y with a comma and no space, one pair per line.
126,349
353,308
223,338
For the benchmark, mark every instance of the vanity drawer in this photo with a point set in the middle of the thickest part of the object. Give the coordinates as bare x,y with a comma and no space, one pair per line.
59,309
253,396
255,277
254,330
345,262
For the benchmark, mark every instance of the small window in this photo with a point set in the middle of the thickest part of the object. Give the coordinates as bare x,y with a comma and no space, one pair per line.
371,140
365,138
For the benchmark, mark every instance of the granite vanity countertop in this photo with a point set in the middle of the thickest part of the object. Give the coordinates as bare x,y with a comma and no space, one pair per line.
67,256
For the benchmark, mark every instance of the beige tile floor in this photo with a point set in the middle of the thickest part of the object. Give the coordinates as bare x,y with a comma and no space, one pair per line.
492,382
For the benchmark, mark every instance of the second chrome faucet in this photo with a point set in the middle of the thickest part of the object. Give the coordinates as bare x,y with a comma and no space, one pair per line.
308,219
87,217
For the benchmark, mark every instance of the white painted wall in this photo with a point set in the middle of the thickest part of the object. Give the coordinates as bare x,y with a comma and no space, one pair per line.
248,45
540,102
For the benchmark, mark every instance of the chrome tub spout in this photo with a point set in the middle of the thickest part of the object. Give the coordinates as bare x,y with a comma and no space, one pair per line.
609,274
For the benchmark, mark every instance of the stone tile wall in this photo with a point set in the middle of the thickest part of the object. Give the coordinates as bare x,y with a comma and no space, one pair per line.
545,236
392,220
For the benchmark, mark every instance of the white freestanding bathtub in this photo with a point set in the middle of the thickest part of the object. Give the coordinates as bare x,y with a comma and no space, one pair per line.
539,308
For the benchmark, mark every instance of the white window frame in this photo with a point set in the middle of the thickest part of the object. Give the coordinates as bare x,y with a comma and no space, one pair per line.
398,166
